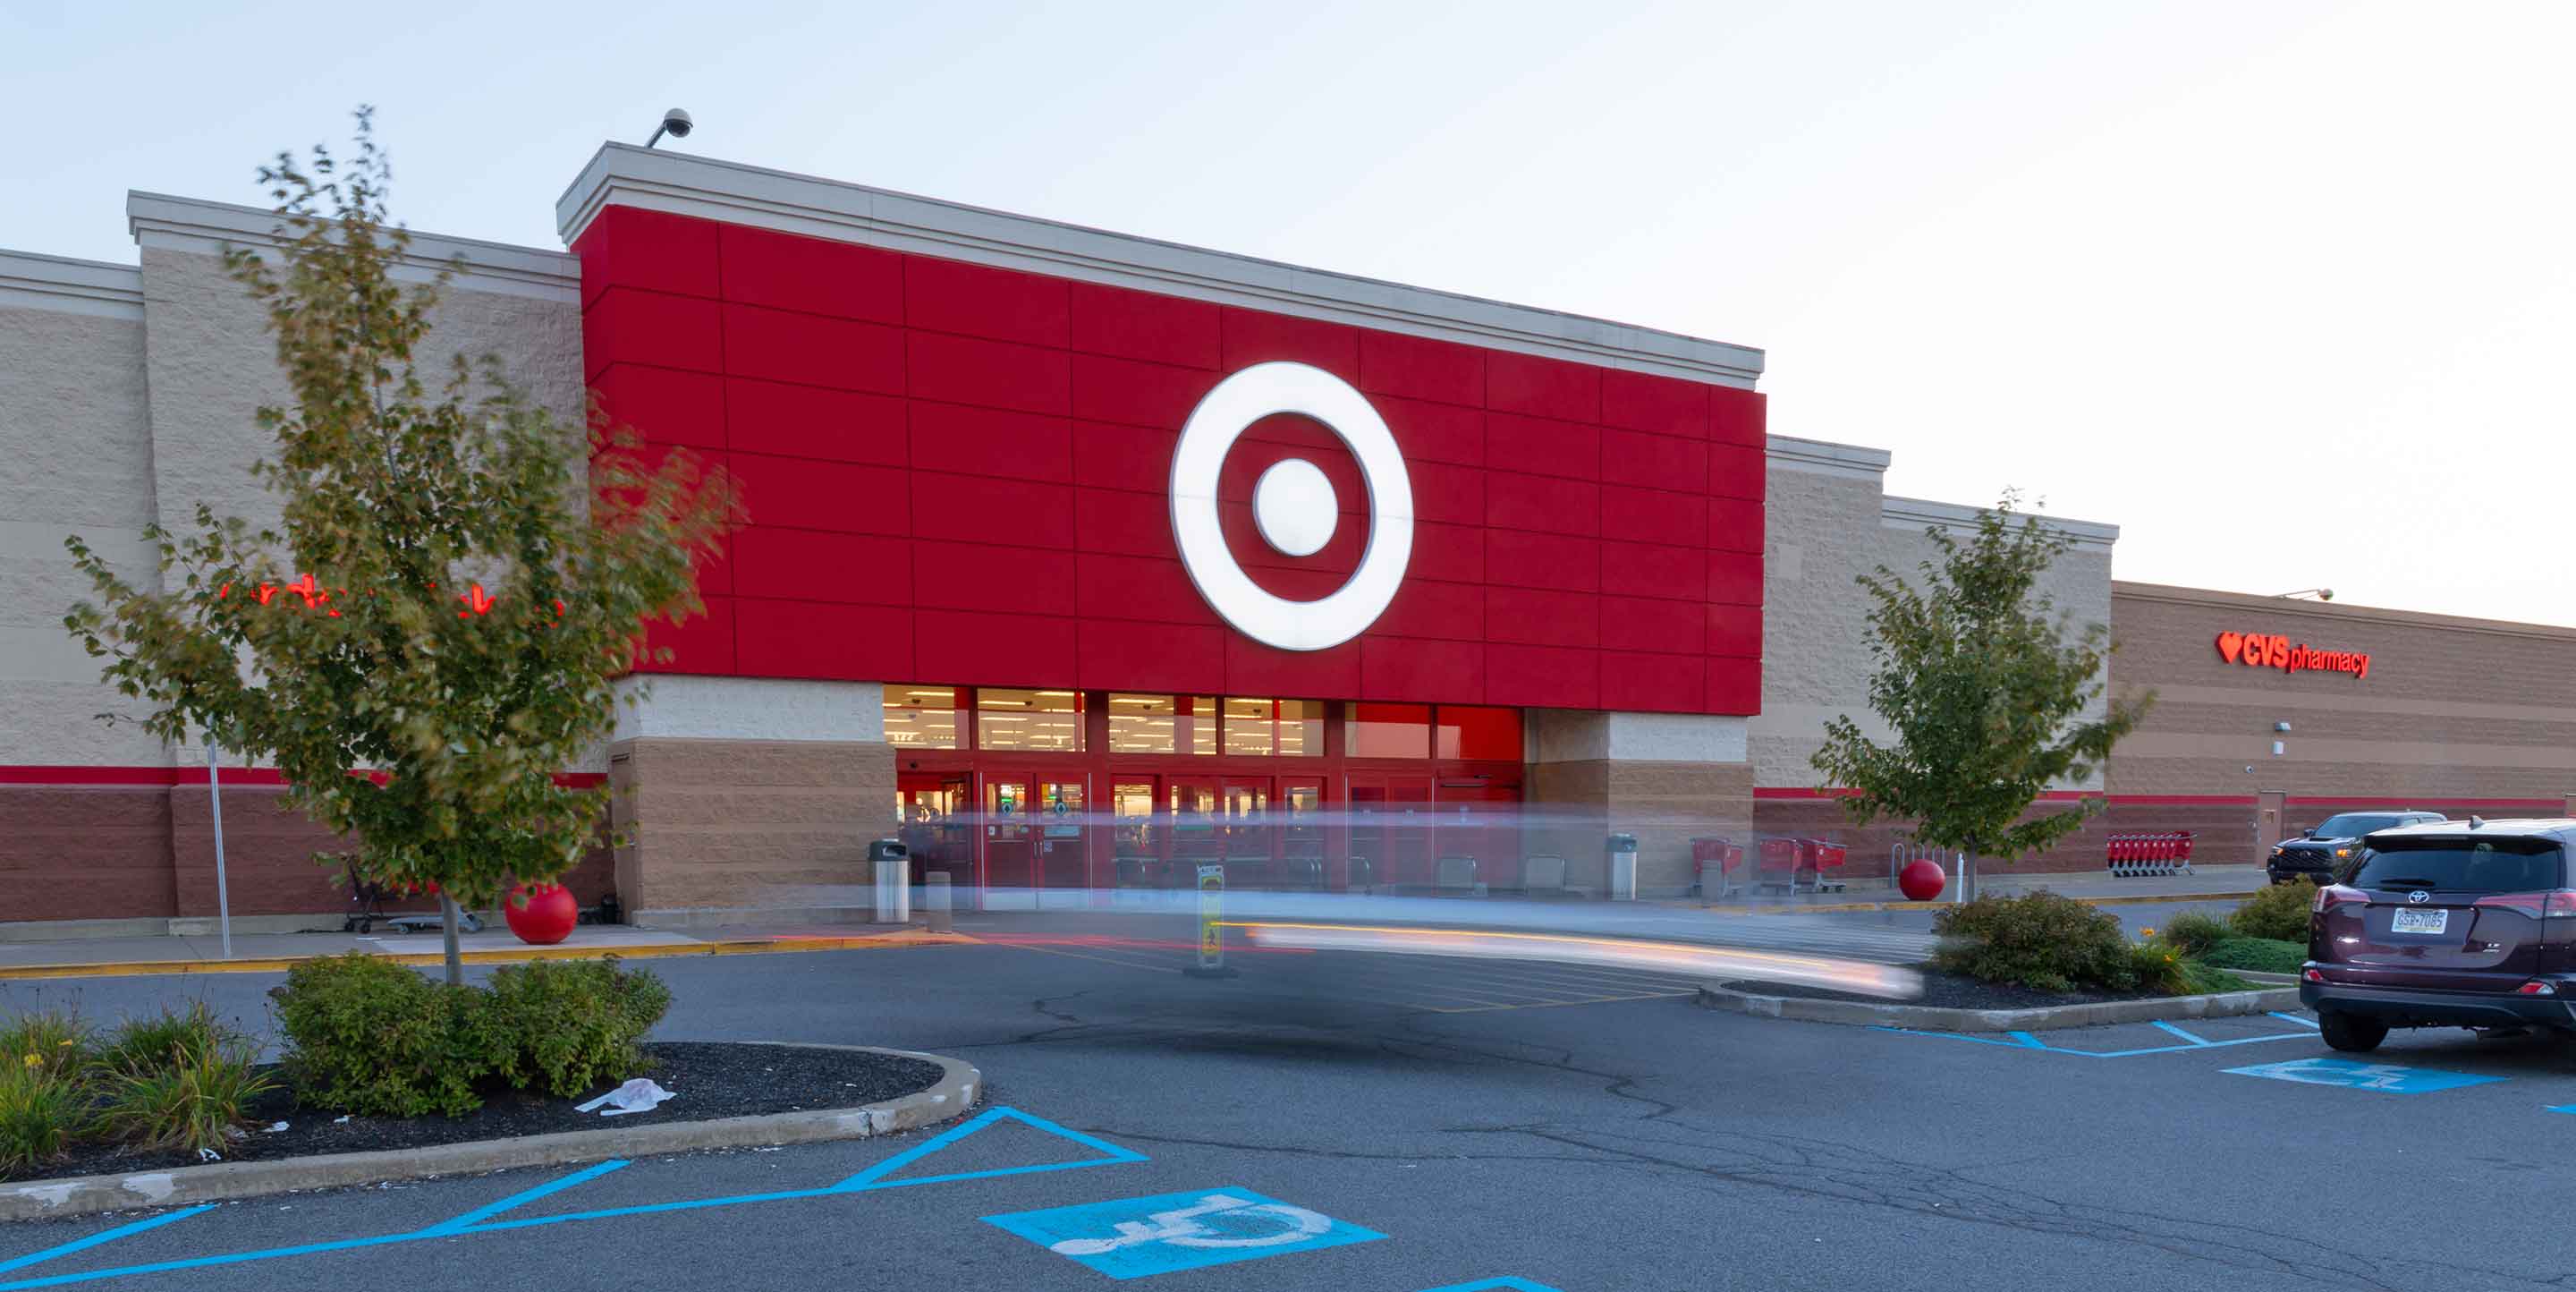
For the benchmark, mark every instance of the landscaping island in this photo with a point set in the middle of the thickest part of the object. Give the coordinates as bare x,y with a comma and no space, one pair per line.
379,1061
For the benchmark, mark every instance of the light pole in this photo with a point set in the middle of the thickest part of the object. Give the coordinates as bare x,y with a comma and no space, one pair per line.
215,797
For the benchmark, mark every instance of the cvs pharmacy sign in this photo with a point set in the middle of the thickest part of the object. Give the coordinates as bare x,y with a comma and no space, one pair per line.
2272,650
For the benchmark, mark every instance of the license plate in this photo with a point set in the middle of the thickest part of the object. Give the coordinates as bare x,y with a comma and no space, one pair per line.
2406,921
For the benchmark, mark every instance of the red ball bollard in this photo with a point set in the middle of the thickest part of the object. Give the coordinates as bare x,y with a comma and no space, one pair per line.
541,916
1922,880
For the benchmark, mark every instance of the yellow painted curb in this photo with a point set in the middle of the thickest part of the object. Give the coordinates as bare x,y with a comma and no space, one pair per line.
664,951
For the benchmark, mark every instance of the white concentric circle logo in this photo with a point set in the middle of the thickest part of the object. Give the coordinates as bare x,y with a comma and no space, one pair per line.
1293,506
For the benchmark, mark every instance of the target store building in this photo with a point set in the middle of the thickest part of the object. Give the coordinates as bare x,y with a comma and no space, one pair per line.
1073,556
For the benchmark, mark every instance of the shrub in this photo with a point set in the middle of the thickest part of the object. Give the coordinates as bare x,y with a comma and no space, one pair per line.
188,1096
368,1036
2039,940
57,1038
2204,977
2194,933
163,1041
2262,955
41,1110
2160,969
564,1027
2279,912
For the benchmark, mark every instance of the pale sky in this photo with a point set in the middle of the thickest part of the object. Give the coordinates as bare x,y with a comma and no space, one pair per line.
2282,289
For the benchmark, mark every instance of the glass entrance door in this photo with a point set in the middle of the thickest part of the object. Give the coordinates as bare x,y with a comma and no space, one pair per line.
1063,873
1137,838
1010,844
1251,845
1299,813
1196,823
932,814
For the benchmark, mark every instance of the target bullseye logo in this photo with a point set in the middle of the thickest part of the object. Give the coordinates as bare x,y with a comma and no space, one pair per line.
1293,506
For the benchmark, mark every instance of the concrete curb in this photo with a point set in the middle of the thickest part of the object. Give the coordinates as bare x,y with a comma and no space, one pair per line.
947,1099
1845,908
507,955
1925,1018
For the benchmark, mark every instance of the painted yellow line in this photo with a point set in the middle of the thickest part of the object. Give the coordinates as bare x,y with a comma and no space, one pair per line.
656,951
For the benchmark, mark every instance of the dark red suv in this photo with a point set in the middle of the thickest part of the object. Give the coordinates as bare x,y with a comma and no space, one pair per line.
2454,924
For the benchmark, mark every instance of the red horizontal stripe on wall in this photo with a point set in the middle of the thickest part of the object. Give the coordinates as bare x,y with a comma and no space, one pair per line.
2075,796
27,774
2554,807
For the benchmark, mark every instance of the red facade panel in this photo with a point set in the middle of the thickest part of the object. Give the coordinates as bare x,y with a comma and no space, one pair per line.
813,422
665,405
783,271
958,474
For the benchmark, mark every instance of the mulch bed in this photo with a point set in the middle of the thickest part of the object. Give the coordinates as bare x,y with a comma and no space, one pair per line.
1952,991
708,1079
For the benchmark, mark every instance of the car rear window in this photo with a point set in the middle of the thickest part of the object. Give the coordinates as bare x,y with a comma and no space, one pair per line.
2463,865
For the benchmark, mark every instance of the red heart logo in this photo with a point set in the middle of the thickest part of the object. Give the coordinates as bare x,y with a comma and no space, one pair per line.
2230,645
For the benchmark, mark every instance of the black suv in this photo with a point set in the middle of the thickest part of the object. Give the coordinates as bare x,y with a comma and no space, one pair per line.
2320,853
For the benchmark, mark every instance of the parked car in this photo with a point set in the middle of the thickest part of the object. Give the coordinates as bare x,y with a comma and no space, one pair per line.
2457,924
2319,854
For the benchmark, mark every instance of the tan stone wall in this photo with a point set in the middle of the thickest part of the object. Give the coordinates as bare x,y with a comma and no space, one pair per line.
2454,715
1825,530
747,825
1665,804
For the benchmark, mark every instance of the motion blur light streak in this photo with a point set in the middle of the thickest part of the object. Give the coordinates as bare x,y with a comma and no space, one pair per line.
1715,963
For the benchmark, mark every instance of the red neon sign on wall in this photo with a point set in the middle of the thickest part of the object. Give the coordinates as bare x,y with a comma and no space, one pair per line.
2272,650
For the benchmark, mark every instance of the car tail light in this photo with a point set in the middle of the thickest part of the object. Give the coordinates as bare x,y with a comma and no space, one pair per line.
2333,895
2535,988
2313,974
2556,904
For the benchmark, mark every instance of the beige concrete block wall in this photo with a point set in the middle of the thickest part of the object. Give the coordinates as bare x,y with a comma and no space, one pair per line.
746,826
75,428
1830,522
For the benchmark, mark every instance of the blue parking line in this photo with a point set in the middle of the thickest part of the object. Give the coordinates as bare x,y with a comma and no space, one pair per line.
2308,1023
1495,1285
2177,1031
481,1221
479,1214
2026,1041
103,1236
868,1178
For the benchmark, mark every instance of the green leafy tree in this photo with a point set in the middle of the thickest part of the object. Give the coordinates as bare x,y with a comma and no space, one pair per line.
433,629
1985,687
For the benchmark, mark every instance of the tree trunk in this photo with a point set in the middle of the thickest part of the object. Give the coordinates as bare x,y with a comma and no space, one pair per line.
447,925
1967,874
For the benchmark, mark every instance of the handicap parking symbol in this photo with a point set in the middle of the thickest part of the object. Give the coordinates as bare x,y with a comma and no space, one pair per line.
1134,1237
2353,1075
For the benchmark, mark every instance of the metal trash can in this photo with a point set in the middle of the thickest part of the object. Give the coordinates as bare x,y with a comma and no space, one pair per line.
892,862
1623,868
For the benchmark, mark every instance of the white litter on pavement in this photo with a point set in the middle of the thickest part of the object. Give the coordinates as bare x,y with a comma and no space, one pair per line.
275,1127
637,1096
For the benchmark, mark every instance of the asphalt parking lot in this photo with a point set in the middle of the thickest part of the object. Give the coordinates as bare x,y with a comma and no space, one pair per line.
1366,1122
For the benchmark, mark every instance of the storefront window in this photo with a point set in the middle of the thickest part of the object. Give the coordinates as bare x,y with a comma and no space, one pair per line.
1478,734
1247,727
1049,721
1388,731
1141,724
921,717
1199,722
1274,728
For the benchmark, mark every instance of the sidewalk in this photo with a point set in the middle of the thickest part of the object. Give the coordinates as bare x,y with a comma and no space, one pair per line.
273,952
2205,884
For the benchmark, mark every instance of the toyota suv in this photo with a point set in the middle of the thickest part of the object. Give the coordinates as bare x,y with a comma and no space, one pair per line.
2446,925
2320,854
